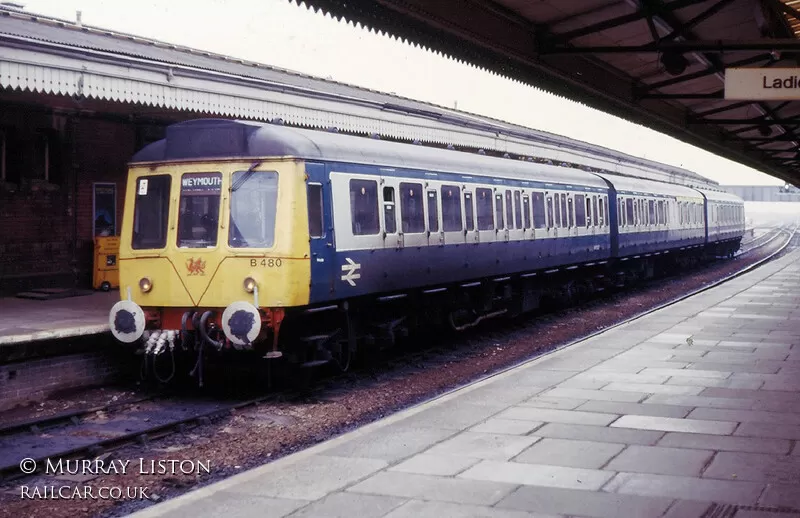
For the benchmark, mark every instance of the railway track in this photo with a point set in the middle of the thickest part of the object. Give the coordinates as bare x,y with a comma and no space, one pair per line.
762,239
90,432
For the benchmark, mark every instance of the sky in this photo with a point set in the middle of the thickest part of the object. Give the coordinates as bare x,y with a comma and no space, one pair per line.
283,34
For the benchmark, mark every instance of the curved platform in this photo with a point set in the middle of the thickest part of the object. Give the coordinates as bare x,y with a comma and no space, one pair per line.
690,410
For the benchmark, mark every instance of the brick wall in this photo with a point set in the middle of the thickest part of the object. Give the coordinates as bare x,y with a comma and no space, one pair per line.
36,379
36,221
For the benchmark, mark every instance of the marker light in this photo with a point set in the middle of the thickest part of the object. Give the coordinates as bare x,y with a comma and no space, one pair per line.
249,285
145,284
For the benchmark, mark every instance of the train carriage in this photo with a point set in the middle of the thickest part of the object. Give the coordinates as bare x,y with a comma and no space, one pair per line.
303,244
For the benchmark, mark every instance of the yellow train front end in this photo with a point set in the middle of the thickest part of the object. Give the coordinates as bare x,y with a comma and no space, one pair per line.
212,253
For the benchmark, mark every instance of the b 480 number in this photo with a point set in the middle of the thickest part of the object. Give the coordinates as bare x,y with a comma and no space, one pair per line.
266,263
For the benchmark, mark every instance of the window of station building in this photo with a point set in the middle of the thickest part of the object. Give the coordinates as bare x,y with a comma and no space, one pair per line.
526,210
550,220
469,211
151,212
198,212
498,212
433,212
315,224
509,210
412,212
253,209
484,202
517,210
29,157
539,220
364,207
580,210
451,208
389,210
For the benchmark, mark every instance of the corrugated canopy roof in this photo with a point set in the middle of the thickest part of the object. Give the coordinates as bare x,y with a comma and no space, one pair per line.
660,63
44,54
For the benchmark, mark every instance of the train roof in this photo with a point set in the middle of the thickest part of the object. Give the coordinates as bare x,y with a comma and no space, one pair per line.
721,196
221,138
628,185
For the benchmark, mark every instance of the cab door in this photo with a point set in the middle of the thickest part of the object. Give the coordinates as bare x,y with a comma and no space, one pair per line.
320,231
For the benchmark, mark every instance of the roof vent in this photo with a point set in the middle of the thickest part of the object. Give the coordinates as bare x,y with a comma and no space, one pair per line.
481,152
278,121
506,155
333,129
450,146
374,136
417,142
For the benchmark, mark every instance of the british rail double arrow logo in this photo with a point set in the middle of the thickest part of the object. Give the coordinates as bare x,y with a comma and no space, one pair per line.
351,269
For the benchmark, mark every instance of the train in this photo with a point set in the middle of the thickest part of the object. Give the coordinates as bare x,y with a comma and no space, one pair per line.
305,246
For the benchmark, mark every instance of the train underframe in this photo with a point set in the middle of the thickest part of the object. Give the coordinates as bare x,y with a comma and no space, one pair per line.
305,338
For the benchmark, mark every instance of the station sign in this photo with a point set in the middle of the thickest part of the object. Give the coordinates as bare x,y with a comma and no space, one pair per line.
762,84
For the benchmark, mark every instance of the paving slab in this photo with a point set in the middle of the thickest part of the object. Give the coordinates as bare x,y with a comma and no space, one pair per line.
21,322
688,412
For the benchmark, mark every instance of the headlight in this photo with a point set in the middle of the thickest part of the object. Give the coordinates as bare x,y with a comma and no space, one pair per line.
249,285
145,284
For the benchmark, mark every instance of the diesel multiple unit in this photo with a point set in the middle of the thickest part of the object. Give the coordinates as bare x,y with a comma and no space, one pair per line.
307,245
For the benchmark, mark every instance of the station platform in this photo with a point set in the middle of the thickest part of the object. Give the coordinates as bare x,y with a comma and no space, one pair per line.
25,320
691,411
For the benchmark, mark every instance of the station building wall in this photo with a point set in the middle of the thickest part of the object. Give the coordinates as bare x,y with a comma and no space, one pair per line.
50,161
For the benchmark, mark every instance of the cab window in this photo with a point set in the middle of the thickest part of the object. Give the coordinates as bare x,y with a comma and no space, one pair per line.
254,200
198,213
151,212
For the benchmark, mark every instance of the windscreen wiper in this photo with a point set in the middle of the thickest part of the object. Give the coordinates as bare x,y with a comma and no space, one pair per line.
246,176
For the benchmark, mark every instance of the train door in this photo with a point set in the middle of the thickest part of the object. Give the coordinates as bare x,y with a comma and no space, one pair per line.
471,234
514,215
499,215
412,214
484,213
452,215
432,213
392,238
320,229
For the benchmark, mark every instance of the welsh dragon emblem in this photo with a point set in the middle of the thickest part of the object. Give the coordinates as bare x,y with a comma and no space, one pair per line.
196,266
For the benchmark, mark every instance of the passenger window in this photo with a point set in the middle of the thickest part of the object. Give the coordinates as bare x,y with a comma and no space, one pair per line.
498,211
364,207
629,211
484,201
526,210
469,215
580,210
451,208
598,219
389,210
433,212
563,210
412,213
315,210
539,211
550,212
517,210
652,211
509,211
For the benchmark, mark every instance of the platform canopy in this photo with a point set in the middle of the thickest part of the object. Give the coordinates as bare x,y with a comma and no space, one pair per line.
660,63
